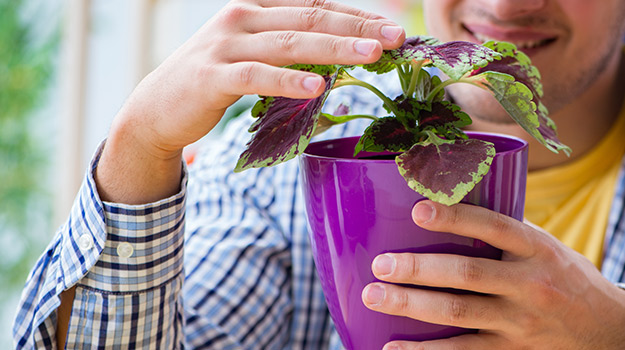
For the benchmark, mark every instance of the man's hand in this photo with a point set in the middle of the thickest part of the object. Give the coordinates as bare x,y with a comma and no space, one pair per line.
239,51
541,295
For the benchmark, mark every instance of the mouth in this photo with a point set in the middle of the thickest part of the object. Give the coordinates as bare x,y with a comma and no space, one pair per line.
528,41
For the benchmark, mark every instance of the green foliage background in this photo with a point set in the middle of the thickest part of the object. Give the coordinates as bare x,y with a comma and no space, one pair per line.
26,67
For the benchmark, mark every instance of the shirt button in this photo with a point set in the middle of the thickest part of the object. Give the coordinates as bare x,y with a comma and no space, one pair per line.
85,242
125,250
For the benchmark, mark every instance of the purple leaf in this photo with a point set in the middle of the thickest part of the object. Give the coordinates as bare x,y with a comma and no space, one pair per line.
442,117
342,109
283,129
443,114
446,172
455,58
386,134
390,58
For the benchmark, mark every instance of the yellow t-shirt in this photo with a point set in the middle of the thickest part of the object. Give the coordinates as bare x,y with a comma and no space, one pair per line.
573,201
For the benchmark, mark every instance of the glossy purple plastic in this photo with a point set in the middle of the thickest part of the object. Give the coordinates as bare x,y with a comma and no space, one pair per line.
359,208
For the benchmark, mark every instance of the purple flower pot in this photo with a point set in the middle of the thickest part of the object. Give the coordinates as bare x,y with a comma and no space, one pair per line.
359,208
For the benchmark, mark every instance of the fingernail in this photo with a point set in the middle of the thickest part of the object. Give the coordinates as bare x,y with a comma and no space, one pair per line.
383,264
312,83
390,347
365,47
374,294
391,33
423,213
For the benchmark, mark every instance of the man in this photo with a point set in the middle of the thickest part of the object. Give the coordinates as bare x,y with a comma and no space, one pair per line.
248,276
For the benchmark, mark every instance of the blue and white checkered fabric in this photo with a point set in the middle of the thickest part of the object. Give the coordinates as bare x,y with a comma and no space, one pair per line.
249,278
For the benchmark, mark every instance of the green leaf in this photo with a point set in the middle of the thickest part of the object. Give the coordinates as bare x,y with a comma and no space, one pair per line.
518,65
517,99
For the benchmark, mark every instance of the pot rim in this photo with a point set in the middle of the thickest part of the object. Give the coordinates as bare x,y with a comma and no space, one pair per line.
522,145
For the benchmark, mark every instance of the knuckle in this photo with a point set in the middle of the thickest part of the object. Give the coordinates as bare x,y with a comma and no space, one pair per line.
317,3
204,72
361,27
405,345
286,41
221,45
335,47
311,18
235,13
550,253
470,270
529,324
401,303
499,224
414,266
283,80
453,215
546,293
246,74
455,309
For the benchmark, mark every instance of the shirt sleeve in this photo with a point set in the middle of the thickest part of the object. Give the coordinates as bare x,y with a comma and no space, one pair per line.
126,263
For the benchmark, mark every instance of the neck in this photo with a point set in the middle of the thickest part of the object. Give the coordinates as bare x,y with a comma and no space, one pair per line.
581,124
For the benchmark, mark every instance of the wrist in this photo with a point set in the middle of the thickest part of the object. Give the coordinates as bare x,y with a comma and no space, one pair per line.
134,170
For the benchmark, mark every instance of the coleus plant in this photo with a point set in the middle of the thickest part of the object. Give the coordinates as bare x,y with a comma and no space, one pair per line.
434,155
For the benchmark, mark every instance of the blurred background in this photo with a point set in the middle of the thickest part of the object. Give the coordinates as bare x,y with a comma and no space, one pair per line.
66,67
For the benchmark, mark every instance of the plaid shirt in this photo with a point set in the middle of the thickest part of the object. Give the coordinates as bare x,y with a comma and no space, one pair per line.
249,278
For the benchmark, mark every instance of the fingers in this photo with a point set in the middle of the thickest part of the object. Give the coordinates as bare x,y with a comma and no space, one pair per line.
263,79
468,311
447,270
286,35
320,4
315,20
467,220
249,36
308,48
466,341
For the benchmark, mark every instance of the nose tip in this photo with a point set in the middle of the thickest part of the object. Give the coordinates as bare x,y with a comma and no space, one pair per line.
507,9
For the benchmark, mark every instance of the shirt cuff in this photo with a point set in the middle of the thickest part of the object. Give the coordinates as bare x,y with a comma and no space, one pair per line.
134,248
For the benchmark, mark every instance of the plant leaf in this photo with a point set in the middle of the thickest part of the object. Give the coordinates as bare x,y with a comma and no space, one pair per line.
385,134
443,114
446,172
516,98
442,117
391,58
326,121
455,58
341,115
284,126
427,83
505,77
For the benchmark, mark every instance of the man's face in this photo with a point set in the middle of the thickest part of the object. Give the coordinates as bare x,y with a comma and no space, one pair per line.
570,41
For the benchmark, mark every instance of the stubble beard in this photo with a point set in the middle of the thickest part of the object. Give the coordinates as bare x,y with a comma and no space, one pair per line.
561,87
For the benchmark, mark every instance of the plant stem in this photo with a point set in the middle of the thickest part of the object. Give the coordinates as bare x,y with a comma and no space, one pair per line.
440,87
467,80
353,81
416,69
401,72
345,118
